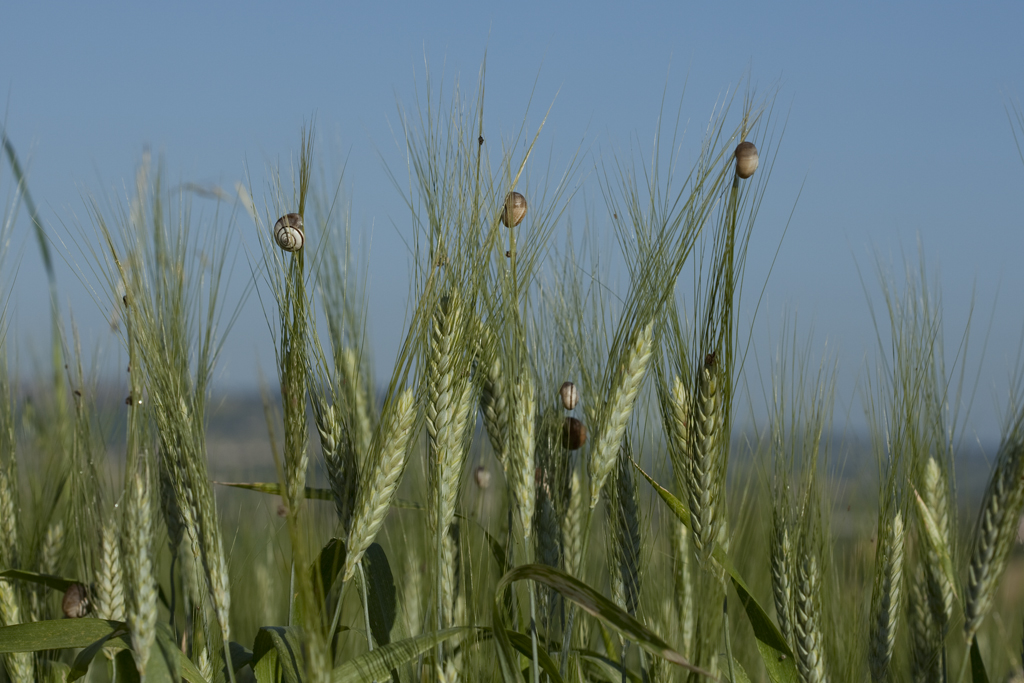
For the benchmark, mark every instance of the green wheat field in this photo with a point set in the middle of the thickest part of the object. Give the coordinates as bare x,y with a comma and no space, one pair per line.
552,484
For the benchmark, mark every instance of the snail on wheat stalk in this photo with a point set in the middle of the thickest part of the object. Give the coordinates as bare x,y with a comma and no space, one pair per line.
514,210
746,159
288,232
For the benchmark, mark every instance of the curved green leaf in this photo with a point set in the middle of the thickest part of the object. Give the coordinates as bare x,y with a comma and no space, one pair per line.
741,673
378,663
57,583
590,601
118,641
775,652
608,669
57,634
329,564
275,489
83,660
277,653
381,589
978,673
241,656
163,666
522,642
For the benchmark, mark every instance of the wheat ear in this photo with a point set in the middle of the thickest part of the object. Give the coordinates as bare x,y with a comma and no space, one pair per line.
683,581
705,471
359,404
680,415
376,497
53,544
782,572
142,609
925,633
494,405
997,530
935,494
885,598
19,664
549,533
627,536
572,527
109,579
807,623
8,523
519,469
620,406
446,392
339,459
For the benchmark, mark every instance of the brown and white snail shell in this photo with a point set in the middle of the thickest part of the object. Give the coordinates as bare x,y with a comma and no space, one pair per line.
76,601
574,433
746,159
570,395
482,476
288,232
514,210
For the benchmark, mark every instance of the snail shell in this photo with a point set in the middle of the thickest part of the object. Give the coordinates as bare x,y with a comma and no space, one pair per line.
482,476
570,395
746,159
514,210
574,433
76,601
288,232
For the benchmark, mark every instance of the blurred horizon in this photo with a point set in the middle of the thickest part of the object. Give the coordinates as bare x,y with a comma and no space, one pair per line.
898,136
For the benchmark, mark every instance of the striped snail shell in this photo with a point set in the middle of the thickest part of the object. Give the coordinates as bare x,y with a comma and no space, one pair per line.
570,395
746,159
574,433
288,232
514,210
76,601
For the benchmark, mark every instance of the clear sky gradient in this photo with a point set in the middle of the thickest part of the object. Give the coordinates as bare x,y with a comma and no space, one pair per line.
896,130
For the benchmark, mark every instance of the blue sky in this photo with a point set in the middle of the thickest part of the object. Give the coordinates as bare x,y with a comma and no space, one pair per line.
896,130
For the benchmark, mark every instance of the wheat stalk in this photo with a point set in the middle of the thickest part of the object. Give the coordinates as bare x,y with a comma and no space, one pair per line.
620,407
